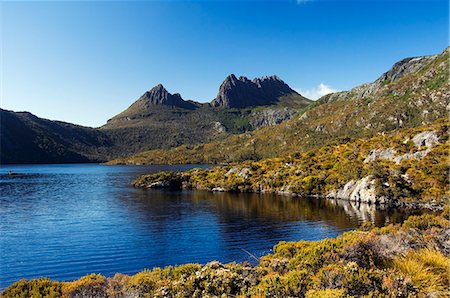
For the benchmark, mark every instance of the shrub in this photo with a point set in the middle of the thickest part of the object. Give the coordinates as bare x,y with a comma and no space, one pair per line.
326,293
142,284
427,272
36,288
93,285
426,221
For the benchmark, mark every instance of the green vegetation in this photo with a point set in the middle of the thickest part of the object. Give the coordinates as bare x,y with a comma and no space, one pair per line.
322,171
408,260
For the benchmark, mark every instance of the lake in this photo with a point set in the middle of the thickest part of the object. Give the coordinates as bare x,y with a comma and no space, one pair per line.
66,221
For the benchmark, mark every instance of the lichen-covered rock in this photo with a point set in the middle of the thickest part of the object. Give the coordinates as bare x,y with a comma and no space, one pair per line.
426,138
270,117
362,191
381,153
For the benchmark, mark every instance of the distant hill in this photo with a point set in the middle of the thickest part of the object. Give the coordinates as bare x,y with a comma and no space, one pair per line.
414,92
26,138
156,120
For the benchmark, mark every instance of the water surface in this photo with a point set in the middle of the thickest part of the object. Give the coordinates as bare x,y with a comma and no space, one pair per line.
65,221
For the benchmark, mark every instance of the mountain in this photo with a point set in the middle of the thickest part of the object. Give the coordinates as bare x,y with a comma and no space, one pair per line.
161,120
157,96
413,92
241,92
26,138
247,120
156,120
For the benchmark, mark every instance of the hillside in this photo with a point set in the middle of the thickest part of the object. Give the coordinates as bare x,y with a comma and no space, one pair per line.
404,168
415,91
26,138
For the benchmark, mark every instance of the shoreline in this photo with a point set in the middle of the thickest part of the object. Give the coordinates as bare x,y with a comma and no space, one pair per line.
173,183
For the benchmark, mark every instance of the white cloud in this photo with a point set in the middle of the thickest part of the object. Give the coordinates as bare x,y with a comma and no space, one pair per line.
317,92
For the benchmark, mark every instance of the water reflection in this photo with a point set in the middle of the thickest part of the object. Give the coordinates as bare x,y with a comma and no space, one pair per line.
65,221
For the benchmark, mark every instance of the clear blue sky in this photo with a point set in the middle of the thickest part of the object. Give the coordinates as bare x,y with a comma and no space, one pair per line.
83,62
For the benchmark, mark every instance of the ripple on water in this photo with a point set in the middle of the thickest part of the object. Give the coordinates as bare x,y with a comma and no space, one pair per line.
65,221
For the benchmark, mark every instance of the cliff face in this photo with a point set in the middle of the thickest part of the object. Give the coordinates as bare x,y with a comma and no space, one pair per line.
241,92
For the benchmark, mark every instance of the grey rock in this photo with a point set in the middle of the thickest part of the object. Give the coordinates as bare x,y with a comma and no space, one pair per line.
362,191
157,185
158,95
244,172
219,127
426,138
270,117
241,92
381,153
218,189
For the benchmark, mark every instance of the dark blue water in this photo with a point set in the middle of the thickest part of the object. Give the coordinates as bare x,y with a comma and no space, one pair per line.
65,221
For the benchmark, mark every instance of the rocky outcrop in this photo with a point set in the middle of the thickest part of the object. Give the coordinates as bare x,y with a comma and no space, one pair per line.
270,117
361,191
219,127
241,92
425,139
381,154
158,95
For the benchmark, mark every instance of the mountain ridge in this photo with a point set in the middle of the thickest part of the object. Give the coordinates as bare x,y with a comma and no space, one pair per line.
417,97
158,119
413,92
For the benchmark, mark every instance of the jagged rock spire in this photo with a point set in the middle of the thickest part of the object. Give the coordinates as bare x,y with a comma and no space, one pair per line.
241,92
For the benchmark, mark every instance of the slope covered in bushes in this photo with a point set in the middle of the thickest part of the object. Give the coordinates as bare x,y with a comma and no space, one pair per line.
404,167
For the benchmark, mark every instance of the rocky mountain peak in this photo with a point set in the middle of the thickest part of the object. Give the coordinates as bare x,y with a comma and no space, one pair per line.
241,92
158,95
405,66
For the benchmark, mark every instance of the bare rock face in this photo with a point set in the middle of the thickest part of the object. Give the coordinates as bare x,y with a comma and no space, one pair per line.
426,138
158,95
381,154
403,67
241,92
362,191
219,127
270,117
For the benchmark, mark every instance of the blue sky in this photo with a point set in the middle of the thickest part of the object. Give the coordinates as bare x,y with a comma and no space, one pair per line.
83,62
